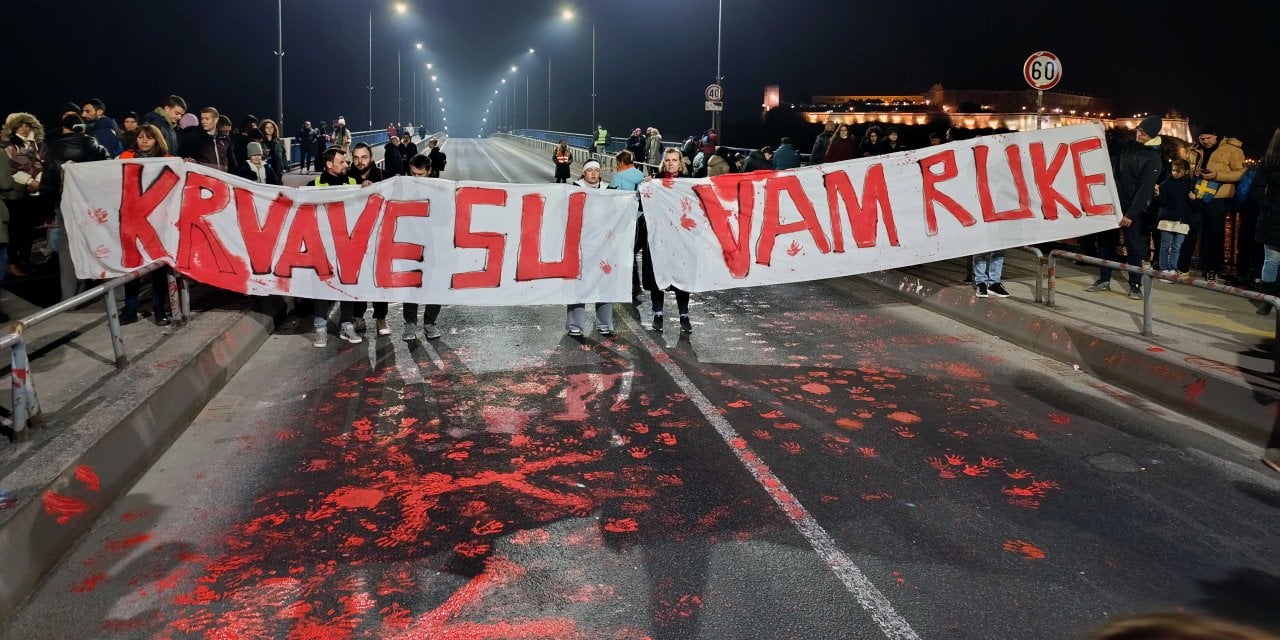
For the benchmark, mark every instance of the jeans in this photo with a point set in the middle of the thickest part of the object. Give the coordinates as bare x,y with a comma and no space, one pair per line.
576,316
1133,243
1170,246
988,267
1270,262
429,316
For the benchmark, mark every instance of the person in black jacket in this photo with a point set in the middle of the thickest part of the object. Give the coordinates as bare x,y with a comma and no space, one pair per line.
74,146
1173,195
438,158
207,145
1265,194
1136,165
392,162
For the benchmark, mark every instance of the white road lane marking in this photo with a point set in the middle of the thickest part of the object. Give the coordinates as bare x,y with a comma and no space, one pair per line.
872,600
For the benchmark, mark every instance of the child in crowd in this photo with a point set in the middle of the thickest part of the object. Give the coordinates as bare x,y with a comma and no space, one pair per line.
1176,216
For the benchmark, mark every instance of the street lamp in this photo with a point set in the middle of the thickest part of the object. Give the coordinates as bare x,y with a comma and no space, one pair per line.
567,14
399,76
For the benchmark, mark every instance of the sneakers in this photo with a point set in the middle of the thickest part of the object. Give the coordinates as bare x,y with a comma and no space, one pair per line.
605,331
1135,293
1211,276
685,325
348,333
410,331
163,321
383,329
997,290
431,331
575,331
980,290
129,316
1100,285
360,325
322,337
657,323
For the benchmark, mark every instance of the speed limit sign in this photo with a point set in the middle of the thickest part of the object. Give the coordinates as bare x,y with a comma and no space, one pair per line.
1042,70
714,93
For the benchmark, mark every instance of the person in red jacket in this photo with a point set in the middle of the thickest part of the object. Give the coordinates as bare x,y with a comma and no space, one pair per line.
842,146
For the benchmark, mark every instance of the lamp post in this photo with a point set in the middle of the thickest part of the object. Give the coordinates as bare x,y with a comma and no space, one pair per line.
280,65
568,16
715,115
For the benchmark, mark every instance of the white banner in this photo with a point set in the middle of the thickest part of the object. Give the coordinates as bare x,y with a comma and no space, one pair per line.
402,240
959,199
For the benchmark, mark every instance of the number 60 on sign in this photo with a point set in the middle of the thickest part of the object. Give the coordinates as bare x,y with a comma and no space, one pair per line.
1042,70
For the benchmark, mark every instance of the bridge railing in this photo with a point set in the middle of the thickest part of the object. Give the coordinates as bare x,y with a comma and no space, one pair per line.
26,404
371,138
1148,275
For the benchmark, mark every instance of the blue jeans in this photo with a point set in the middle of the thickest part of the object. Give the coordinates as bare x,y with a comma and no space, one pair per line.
988,267
1170,247
1270,262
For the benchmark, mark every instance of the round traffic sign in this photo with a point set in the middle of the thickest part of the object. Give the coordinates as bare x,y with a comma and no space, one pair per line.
1042,70
714,93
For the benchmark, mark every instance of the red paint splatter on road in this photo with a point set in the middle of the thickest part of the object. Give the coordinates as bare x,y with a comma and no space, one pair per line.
89,583
127,543
353,498
848,423
1028,550
905,417
962,371
621,525
85,474
64,507
817,388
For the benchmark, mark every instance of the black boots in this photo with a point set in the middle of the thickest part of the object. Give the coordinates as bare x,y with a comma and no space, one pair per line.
1269,288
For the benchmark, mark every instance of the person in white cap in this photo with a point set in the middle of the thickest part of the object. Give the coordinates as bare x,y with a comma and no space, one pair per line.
576,314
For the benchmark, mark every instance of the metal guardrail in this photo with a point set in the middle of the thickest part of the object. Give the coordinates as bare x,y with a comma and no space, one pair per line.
1041,263
1149,275
371,138
26,404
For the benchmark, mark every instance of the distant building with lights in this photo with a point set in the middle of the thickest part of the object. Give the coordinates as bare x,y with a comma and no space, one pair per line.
974,109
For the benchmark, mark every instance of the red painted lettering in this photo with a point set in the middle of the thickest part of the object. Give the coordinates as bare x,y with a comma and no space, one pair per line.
989,214
260,240
529,264
771,223
352,247
303,249
931,193
737,253
1044,176
864,216
492,242
389,249
200,250
1084,183
136,206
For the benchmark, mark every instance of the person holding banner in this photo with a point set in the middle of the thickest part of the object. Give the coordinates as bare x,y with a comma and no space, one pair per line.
335,175
420,167
672,167
366,173
1137,168
576,315
148,143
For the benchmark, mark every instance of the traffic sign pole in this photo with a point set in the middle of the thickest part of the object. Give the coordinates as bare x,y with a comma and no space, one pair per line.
1042,70
1039,109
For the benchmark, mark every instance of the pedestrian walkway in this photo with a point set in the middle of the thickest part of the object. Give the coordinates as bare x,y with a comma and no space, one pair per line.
1210,354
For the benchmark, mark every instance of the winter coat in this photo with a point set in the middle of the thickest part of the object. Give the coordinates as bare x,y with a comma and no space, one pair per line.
628,180
27,159
342,139
717,165
170,134
635,144
1137,167
394,164
653,150
373,174
820,145
756,162
6,183
786,157
77,147
263,174
105,131
438,161
841,149
1265,193
1175,202
1226,161
582,182
563,160
273,151
212,151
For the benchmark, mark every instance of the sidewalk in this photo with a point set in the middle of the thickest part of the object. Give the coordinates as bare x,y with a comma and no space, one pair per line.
1210,355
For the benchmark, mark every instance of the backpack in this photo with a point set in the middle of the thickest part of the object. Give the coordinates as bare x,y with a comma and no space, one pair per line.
689,148
1245,184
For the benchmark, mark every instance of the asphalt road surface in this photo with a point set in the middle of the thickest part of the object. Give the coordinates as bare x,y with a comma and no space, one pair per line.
815,461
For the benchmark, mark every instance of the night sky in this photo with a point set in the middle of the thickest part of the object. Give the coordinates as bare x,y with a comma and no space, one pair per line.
654,57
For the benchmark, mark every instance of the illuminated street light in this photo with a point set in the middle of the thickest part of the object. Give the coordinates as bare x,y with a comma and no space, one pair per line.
418,45
567,14
401,7
513,68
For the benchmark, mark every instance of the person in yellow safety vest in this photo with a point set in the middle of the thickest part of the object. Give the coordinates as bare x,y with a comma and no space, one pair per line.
602,138
335,175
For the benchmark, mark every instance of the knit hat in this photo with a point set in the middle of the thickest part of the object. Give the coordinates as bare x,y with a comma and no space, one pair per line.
254,149
1151,125
1208,130
188,120
71,107
590,164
